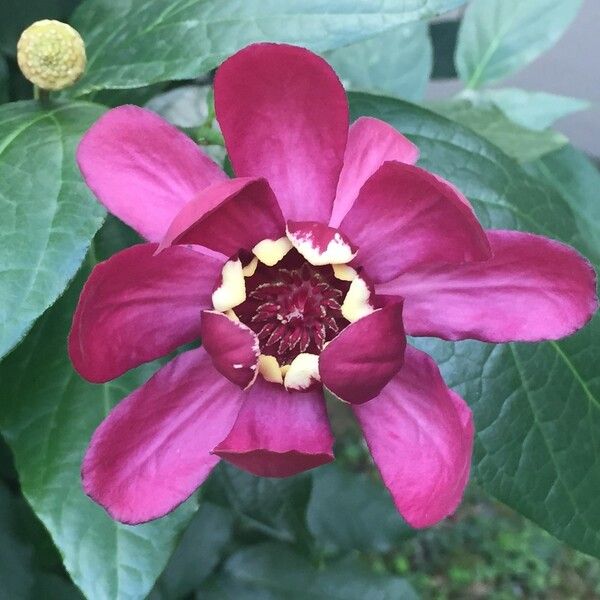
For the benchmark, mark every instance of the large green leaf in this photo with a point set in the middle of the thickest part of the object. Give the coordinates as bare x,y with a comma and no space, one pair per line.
273,571
536,406
48,214
535,110
489,121
498,37
48,415
397,62
375,525
132,43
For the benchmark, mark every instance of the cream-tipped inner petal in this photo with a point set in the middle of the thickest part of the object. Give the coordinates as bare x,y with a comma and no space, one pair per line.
302,372
344,272
270,252
338,251
357,301
250,268
232,290
269,368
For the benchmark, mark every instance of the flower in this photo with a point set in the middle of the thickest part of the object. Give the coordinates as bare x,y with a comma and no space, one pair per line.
51,54
303,272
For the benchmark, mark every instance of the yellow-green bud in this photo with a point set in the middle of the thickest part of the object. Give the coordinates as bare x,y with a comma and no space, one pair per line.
51,55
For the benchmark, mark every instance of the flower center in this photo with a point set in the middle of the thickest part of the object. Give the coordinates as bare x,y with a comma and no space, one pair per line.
293,307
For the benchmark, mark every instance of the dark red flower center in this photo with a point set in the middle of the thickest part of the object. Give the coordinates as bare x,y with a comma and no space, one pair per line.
293,307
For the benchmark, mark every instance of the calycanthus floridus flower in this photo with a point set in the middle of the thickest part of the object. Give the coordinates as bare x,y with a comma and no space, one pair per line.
303,272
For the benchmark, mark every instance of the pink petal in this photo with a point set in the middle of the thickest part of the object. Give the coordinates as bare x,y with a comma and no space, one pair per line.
532,289
279,433
143,169
136,307
405,216
284,116
358,363
228,216
420,434
232,346
153,449
371,142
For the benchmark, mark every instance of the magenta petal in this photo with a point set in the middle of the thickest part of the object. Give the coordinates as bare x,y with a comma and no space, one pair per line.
228,216
143,169
232,346
405,216
153,449
371,142
279,433
284,116
358,363
532,289
420,434
136,307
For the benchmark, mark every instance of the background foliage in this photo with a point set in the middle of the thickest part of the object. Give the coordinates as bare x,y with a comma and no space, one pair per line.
332,533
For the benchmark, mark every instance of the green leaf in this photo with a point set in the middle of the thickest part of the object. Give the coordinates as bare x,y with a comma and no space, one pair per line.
498,37
48,416
197,554
397,62
490,122
48,214
374,526
272,507
132,43
273,571
536,406
535,110
577,179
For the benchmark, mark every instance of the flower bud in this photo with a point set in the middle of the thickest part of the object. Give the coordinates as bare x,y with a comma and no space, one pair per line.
51,55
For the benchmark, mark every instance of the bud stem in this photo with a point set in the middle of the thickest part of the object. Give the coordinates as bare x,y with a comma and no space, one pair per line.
42,96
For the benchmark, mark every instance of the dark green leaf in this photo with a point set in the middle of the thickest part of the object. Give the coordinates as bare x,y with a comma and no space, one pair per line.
272,507
48,416
491,123
273,572
197,554
397,62
132,43
536,406
578,181
48,214
498,37
349,511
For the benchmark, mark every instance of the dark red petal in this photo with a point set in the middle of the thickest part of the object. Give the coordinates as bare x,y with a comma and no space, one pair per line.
405,216
228,216
232,346
153,449
279,433
284,116
358,363
136,307
420,434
